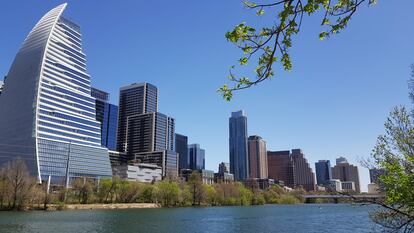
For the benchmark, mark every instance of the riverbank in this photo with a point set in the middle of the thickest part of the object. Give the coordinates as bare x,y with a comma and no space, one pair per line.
114,206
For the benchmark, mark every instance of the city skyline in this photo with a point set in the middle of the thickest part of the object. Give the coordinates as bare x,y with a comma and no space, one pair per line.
278,132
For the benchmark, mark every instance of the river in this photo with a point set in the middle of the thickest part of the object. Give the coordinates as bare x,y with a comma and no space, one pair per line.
305,218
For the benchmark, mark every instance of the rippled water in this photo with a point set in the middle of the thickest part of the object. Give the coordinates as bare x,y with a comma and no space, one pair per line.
336,218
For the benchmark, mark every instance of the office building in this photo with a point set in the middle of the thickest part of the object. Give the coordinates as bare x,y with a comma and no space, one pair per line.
344,172
334,185
303,172
348,186
166,159
323,172
149,132
134,99
46,108
341,160
223,177
181,147
224,167
107,115
140,172
281,167
375,173
257,154
239,161
197,157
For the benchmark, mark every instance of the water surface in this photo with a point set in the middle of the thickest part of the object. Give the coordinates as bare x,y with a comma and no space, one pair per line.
309,218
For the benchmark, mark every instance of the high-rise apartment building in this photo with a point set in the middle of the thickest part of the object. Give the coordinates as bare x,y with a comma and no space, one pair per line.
239,161
181,147
257,154
303,172
134,99
47,111
107,115
281,167
323,172
344,171
197,157
149,132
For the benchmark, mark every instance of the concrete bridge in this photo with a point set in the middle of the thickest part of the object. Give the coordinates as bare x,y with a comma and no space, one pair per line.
336,197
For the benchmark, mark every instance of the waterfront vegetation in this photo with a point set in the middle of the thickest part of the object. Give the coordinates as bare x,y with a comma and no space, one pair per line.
19,191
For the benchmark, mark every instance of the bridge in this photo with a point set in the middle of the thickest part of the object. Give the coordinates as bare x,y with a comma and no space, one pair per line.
336,197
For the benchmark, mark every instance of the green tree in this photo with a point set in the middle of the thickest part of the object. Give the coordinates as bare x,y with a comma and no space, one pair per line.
271,44
167,192
197,190
394,152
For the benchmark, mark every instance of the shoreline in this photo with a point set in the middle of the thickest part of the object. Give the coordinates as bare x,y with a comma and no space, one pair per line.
113,206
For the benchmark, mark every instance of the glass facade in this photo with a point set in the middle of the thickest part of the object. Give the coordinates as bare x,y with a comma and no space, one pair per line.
239,165
323,172
134,99
181,147
197,157
60,120
107,115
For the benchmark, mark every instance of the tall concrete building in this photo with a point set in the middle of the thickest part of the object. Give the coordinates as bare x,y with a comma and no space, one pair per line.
303,172
344,171
47,111
197,157
341,160
239,161
281,167
323,172
181,147
257,154
144,134
107,115
134,99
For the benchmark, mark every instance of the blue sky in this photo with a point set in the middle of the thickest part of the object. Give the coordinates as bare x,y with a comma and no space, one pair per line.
332,104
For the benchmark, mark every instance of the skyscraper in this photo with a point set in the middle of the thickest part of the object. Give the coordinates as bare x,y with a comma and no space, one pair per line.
47,111
303,173
341,160
257,157
107,115
149,132
281,167
323,172
197,157
239,163
134,99
181,147
344,171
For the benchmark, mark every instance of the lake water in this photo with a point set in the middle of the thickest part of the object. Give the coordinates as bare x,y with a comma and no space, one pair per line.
309,218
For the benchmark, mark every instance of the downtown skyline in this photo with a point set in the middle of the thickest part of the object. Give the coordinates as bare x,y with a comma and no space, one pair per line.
295,118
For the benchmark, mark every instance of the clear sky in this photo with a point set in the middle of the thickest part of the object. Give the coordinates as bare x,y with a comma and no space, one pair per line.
333,103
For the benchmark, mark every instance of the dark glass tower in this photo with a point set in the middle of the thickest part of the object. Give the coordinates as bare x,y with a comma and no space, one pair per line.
197,157
107,115
323,172
134,99
181,147
239,164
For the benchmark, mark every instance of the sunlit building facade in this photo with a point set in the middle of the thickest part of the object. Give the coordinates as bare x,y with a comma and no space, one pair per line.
47,111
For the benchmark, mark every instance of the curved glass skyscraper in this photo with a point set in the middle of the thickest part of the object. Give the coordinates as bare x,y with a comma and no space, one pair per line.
47,114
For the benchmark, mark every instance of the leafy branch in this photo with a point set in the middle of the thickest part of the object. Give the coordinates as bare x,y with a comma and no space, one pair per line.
270,45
